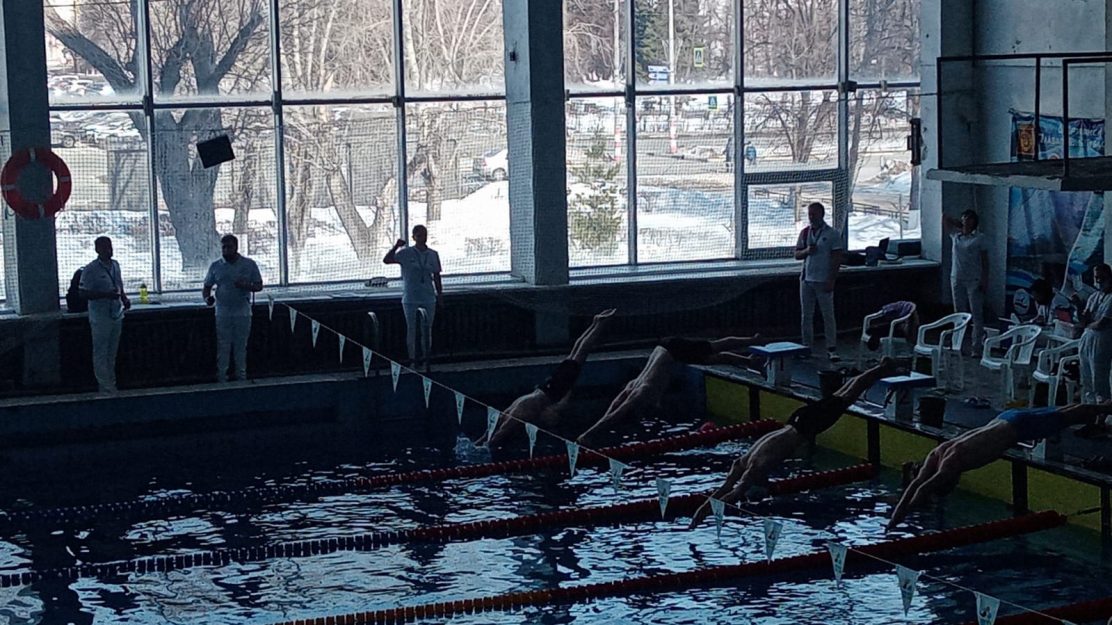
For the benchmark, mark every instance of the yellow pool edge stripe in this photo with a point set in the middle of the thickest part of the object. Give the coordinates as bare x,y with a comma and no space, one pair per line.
728,401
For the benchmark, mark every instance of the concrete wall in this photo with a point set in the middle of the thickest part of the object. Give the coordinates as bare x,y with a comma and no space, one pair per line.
977,100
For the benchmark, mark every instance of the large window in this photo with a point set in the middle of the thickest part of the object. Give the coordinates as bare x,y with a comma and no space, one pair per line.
689,137
317,188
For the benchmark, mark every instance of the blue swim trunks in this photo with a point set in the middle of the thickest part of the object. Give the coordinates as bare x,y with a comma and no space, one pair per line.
1032,424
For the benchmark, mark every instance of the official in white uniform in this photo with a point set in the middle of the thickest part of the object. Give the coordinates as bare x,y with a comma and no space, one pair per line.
102,286
235,277
969,271
820,248
421,287
1096,341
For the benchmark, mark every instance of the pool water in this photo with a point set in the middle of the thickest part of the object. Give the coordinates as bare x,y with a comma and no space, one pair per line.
1038,570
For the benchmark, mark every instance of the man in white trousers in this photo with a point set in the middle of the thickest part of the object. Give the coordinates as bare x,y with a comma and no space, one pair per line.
235,277
421,287
1096,341
820,248
103,287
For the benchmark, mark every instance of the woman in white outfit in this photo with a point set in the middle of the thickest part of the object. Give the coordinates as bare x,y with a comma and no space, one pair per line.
969,271
1096,341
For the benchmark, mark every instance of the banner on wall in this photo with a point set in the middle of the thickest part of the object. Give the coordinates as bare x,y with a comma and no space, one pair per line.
1053,235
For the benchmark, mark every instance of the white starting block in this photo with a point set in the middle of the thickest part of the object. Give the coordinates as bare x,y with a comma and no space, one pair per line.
778,365
901,388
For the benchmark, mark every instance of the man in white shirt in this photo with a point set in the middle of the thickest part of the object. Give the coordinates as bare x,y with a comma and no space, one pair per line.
235,277
103,287
1096,342
820,248
421,287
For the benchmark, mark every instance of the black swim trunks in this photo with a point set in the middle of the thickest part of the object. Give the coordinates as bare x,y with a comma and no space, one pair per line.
688,351
563,378
814,419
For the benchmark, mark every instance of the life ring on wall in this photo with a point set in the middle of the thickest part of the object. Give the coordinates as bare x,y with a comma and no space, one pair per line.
9,183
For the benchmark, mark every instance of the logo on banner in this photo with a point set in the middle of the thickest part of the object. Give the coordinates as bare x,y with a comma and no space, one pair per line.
395,373
837,558
343,342
367,355
1025,137
772,531
663,489
315,327
907,579
986,609
616,470
427,385
459,407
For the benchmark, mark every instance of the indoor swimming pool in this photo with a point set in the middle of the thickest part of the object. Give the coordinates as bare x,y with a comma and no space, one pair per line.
1046,568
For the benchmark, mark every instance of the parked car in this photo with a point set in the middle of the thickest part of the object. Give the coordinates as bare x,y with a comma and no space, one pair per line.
493,165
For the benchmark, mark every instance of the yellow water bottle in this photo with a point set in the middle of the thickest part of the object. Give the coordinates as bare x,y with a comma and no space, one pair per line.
144,295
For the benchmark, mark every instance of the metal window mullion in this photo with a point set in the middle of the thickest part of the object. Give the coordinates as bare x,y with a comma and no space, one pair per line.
144,35
279,120
842,200
741,189
399,105
631,132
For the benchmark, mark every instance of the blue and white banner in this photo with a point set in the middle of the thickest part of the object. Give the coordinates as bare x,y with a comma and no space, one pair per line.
395,373
314,326
907,579
426,385
573,455
837,558
718,509
772,530
663,490
343,342
1056,236
616,470
459,407
492,422
367,356
293,319
987,608
531,432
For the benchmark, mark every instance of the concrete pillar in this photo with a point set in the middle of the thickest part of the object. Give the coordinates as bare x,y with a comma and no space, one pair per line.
947,30
30,252
535,136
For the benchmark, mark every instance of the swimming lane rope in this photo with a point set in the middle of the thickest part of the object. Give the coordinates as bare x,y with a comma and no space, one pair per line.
644,510
663,582
183,504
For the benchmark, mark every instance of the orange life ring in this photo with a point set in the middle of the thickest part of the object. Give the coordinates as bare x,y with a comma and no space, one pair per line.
9,183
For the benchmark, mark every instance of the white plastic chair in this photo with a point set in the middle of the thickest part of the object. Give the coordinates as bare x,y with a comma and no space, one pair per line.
1050,370
1016,359
890,342
949,343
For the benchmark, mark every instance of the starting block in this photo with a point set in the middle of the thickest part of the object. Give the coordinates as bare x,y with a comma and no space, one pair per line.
900,401
778,366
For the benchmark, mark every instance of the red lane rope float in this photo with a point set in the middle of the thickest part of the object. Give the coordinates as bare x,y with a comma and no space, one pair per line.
713,575
9,183
1083,612
643,510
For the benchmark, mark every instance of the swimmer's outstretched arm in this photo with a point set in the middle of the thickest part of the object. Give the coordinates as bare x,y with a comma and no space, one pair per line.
737,482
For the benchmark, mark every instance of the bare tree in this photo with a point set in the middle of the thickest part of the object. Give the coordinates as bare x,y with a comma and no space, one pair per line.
198,47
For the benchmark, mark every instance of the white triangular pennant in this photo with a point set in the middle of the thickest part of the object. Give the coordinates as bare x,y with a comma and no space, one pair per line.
573,455
293,319
718,509
459,407
315,327
395,373
663,489
426,384
343,342
908,579
772,530
270,307
837,558
986,609
492,422
367,356
616,470
531,432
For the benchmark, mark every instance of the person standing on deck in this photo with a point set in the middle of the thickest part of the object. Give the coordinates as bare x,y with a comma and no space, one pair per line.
102,286
820,248
235,277
421,288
